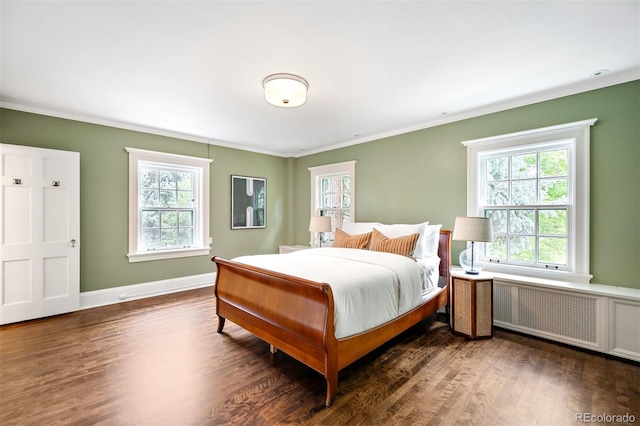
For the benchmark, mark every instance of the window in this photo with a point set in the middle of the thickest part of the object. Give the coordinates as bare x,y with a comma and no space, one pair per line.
168,206
333,194
534,186
526,195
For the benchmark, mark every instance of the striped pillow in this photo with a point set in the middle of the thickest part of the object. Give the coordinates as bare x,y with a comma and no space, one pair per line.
401,245
344,240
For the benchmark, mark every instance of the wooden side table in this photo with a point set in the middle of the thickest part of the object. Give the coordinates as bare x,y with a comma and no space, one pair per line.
472,304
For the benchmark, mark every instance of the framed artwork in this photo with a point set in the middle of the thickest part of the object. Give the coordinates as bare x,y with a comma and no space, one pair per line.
248,202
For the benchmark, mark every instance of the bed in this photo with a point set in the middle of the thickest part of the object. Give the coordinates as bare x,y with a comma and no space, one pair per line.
297,315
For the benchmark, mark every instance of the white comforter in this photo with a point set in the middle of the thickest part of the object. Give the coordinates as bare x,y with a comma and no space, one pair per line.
370,288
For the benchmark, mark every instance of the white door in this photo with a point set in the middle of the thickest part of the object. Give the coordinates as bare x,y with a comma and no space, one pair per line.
40,232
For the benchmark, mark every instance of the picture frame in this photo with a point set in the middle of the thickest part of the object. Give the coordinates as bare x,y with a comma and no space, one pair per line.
248,202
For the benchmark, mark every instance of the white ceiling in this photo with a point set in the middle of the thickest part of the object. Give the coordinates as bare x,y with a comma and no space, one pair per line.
375,69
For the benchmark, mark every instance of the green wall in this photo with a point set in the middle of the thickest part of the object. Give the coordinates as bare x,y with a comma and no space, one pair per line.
408,178
421,175
104,196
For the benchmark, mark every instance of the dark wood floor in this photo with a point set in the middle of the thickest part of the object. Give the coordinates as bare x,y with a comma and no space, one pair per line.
160,361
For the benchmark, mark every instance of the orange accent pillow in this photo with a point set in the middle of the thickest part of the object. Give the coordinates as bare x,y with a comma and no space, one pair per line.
401,245
344,240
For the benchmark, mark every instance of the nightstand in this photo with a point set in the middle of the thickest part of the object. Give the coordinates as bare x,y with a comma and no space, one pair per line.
289,249
472,304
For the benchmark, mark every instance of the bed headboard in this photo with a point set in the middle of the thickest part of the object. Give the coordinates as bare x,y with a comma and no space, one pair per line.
444,252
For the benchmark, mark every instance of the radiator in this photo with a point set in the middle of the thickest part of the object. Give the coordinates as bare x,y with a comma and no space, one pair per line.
566,317
592,316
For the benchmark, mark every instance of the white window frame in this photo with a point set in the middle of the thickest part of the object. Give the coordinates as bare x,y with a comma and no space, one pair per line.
201,240
577,136
317,172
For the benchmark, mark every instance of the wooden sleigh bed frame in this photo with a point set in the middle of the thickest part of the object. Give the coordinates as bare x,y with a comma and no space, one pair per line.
297,315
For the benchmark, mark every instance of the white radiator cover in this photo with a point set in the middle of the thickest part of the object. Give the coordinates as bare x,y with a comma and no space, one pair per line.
596,317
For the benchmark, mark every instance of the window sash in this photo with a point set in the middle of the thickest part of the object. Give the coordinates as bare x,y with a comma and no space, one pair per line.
334,194
185,235
545,255
152,238
521,191
518,175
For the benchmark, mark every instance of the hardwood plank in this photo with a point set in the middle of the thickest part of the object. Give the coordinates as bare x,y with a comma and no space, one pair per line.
160,362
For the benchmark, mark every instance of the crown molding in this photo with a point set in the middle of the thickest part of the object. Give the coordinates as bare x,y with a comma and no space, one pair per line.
133,127
592,83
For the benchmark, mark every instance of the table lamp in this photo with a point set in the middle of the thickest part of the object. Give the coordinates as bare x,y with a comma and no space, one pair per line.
476,230
320,224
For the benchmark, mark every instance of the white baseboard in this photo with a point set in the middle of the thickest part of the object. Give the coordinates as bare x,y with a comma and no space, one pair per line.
109,296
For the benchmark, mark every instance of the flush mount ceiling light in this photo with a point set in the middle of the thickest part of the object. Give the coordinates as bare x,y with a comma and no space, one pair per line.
285,90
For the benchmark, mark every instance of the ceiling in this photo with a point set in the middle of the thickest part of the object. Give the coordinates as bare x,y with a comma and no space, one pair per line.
194,69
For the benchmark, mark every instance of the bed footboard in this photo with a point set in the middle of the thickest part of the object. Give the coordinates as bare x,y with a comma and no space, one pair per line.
290,313
297,315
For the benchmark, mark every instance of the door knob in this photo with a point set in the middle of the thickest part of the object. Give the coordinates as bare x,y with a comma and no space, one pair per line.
73,243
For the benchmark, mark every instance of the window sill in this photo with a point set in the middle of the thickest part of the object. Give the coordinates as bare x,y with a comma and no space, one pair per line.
566,285
168,254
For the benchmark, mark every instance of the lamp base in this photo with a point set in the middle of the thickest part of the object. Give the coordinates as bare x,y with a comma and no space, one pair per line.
471,261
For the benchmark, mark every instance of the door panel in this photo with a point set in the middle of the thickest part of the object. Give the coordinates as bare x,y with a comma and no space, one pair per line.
55,277
16,164
16,282
17,219
39,251
56,215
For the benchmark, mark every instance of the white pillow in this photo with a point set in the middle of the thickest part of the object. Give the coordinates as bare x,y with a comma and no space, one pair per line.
399,230
432,239
355,228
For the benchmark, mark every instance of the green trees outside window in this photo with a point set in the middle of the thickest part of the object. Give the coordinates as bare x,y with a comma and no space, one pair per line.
526,197
335,201
167,208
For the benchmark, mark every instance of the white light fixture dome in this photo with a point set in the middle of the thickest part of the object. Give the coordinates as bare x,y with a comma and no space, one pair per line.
285,90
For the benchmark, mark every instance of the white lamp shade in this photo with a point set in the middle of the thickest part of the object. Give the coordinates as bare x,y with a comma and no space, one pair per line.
320,224
476,229
285,90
